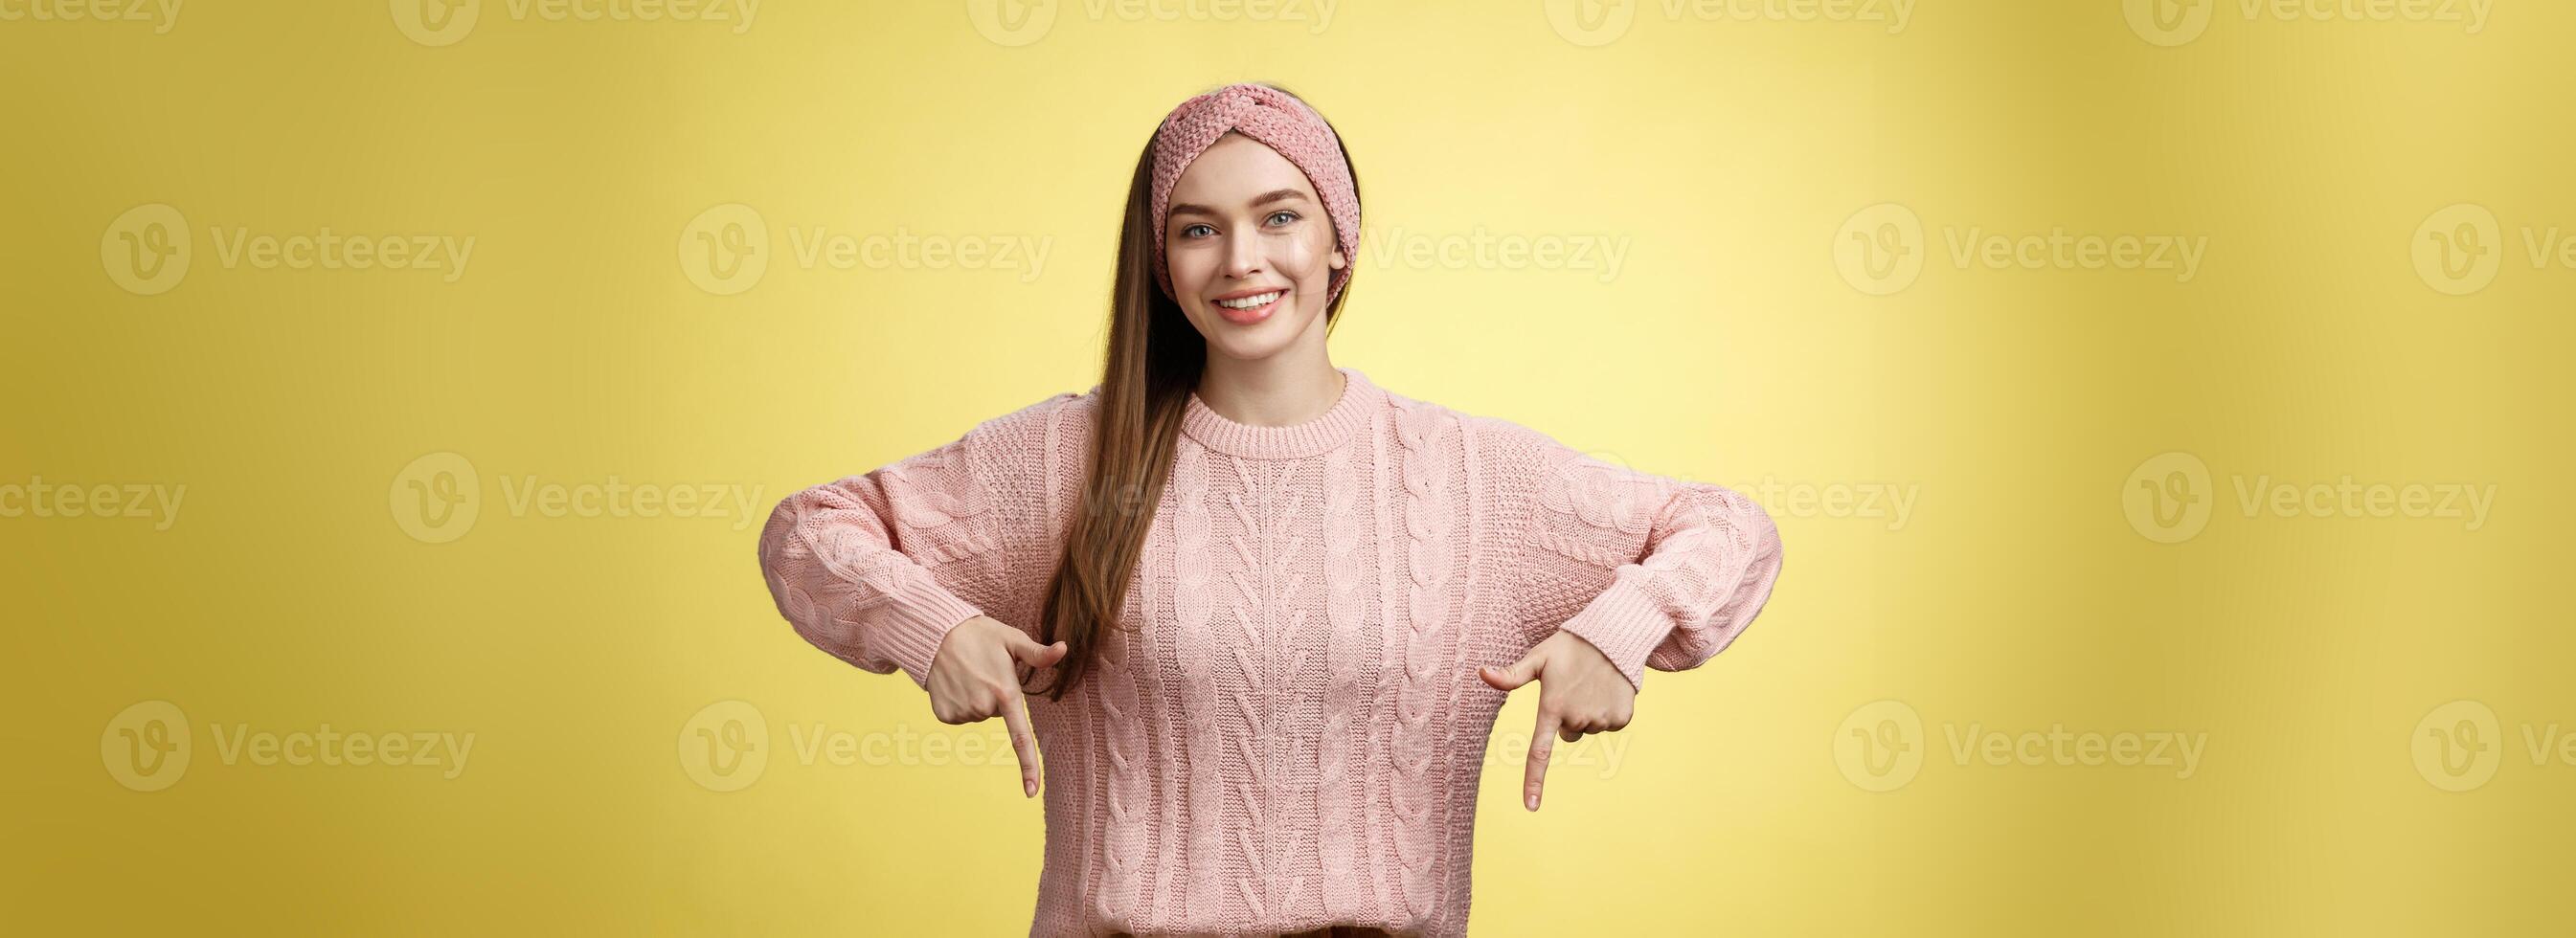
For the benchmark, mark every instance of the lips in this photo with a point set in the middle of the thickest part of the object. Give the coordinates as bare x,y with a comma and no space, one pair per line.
1246,317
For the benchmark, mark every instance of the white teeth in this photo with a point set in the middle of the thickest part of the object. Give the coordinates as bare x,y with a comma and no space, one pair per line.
1250,302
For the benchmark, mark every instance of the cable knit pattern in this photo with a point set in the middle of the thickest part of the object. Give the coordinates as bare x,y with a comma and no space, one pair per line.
1196,647
1424,541
1258,594
1129,794
1346,609
1711,557
1287,733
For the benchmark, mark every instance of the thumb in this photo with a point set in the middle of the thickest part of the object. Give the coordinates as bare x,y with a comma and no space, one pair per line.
1512,676
1028,650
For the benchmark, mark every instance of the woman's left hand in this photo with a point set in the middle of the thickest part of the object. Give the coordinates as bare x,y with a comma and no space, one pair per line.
1580,692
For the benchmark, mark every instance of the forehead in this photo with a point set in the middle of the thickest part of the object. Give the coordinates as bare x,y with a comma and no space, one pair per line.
1234,170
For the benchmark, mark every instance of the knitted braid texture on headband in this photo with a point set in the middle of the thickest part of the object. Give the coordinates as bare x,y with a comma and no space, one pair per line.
1278,120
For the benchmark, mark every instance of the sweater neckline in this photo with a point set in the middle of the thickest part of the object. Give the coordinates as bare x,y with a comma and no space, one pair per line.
1360,397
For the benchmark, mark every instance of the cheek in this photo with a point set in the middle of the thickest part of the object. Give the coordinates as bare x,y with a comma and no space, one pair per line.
1304,259
1189,272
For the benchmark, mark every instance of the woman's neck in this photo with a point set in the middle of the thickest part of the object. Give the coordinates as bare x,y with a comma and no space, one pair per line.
1271,394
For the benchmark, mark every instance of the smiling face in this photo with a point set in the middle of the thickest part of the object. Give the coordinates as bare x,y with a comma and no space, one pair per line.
1244,222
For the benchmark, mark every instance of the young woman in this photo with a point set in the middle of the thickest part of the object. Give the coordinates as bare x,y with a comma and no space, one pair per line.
1275,607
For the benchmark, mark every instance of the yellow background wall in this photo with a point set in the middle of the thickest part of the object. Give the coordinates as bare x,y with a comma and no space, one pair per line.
1802,200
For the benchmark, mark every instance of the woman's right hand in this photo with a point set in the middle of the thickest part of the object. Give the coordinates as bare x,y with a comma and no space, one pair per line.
975,677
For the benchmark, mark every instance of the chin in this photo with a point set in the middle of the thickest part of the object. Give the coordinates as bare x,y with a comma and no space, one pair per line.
1247,348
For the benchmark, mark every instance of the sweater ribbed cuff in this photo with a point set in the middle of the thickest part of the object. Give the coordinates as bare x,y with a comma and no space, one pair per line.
917,619
1626,623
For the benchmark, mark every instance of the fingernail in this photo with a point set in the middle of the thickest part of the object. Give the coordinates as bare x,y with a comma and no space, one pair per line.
1029,787
1532,801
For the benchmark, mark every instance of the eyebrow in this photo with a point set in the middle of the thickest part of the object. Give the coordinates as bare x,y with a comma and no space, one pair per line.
1274,195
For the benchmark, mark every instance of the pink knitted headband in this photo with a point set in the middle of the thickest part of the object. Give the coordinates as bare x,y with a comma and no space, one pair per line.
1278,120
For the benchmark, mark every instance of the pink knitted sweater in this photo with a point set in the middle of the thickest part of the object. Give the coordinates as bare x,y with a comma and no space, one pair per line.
1289,733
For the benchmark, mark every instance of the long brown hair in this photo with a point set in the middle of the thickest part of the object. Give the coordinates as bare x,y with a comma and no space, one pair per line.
1154,361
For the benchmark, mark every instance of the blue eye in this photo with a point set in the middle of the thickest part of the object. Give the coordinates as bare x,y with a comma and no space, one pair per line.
1188,232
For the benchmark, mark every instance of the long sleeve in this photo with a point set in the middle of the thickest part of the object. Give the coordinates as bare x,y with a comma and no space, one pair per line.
1654,571
877,568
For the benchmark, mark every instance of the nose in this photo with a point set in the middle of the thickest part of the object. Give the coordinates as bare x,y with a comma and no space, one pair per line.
1242,255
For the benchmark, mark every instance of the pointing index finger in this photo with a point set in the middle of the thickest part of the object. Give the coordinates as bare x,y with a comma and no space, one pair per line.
1543,742
1016,717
